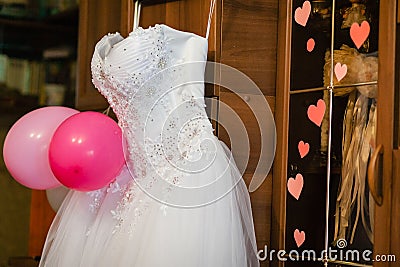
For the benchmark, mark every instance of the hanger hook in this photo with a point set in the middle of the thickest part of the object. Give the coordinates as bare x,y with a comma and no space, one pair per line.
136,15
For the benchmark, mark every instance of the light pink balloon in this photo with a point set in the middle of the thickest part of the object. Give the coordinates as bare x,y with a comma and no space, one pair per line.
86,151
26,146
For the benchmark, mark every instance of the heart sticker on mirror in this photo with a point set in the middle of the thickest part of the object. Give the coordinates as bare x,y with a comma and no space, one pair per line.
303,148
295,185
310,45
302,14
340,71
299,237
316,113
359,33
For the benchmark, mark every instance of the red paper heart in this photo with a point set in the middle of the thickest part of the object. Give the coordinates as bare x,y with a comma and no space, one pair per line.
303,148
359,33
310,45
301,15
316,113
340,71
299,237
295,185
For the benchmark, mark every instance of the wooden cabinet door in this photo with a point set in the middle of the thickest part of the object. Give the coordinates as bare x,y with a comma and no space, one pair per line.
387,177
96,19
395,215
248,43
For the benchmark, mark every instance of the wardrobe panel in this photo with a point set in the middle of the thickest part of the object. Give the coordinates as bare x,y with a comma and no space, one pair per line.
385,124
152,14
395,244
261,199
96,19
249,40
194,16
395,230
41,218
261,206
246,116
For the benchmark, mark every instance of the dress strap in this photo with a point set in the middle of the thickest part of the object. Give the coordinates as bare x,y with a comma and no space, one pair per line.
210,14
136,15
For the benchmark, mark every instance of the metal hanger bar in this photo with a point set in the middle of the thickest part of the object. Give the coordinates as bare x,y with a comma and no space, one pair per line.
293,92
328,161
355,84
300,91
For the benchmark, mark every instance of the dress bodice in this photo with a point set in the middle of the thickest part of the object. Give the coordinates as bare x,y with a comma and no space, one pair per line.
154,81
124,69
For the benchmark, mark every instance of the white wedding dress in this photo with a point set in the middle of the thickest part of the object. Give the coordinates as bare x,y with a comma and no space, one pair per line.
180,201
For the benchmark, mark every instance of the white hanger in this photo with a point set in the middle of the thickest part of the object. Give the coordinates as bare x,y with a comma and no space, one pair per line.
136,15
210,18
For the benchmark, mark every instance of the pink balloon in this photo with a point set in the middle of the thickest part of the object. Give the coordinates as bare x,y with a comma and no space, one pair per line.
86,151
26,146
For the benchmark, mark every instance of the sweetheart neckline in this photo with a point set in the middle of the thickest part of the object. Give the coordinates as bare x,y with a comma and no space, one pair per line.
164,25
131,34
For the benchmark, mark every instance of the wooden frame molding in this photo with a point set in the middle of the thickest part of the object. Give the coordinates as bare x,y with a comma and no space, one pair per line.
278,215
385,122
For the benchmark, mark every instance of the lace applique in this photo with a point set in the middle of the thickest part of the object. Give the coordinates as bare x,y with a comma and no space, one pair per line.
97,198
115,187
127,196
155,58
165,157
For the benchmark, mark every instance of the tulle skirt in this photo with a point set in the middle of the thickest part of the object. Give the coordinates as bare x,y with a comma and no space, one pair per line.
125,225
